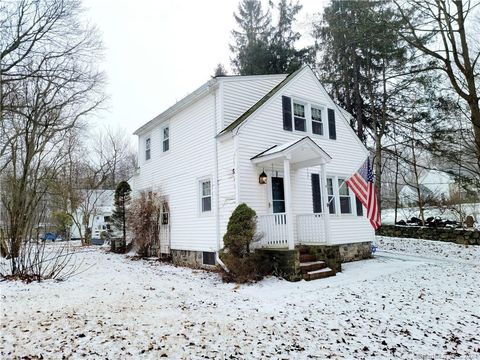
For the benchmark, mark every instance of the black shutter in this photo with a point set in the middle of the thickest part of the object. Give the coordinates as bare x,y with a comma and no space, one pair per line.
332,131
287,113
316,194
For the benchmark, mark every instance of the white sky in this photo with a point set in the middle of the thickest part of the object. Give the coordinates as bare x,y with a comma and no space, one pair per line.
159,51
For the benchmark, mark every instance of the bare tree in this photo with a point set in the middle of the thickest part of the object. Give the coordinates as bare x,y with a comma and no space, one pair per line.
445,31
48,85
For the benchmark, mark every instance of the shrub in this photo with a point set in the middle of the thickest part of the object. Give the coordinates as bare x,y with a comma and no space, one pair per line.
243,264
144,220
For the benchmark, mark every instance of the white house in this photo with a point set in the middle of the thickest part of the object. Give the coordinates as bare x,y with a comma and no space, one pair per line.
433,184
99,204
206,155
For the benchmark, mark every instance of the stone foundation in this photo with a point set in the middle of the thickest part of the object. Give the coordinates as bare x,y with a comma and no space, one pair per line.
355,251
458,236
188,258
328,253
281,262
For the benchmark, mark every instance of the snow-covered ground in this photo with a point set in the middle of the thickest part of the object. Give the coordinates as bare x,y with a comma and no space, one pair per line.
388,215
416,299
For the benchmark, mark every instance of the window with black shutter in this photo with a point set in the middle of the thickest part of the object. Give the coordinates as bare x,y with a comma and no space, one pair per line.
359,207
316,194
287,113
332,131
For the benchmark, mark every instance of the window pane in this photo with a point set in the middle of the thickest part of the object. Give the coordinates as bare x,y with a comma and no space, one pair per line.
300,124
330,186
345,205
317,128
299,110
331,205
342,187
147,144
147,154
278,206
166,145
165,133
316,114
206,188
206,203
359,207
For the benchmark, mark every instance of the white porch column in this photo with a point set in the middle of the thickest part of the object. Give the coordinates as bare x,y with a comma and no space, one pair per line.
288,203
326,212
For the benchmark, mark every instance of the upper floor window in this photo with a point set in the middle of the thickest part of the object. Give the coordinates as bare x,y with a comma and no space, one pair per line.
344,195
206,195
300,120
317,123
166,138
147,149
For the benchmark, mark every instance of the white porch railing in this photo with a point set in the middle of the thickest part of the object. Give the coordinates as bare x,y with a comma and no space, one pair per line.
273,229
310,229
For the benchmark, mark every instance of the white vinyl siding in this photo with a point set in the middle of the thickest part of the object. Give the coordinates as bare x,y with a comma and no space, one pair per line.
177,174
240,94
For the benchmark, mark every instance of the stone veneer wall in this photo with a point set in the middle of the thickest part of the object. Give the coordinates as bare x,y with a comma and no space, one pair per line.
459,236
355,251
281,262
187,258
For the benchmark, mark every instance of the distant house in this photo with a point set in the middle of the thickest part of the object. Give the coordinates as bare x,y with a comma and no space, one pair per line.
100,205
275,142
434,184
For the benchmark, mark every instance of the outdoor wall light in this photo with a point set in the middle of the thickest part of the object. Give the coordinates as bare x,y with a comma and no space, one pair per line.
262,179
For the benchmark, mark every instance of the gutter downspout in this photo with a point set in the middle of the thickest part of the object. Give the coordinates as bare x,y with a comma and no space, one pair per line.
216,182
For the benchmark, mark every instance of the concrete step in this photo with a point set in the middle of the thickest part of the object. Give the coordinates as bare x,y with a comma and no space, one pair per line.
319,274
312,266
307,258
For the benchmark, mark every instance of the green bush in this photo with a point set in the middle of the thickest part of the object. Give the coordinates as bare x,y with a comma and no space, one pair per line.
243,264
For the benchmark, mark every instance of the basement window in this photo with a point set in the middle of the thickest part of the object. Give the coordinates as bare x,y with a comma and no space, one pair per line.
208,258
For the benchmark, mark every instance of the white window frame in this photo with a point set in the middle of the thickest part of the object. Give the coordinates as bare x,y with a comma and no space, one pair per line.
166,126
201,196
308,117
349,196
148,147
336,195
322,119
305,109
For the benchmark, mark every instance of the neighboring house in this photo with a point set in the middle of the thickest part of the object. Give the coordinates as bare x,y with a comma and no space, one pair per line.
208,152
100,205
434,184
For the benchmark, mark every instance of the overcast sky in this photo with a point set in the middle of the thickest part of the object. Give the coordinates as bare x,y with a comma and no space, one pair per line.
159,51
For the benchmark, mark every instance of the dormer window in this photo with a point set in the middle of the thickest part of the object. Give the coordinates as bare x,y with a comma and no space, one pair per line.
317,124
147,149
300,120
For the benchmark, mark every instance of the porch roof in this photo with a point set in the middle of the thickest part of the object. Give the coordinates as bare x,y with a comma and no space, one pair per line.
301,152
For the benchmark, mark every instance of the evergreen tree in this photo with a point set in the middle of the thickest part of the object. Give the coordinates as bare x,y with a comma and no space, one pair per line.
263,48
122,199
219,70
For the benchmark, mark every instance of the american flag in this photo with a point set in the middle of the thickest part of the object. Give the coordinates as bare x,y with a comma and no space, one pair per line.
362,186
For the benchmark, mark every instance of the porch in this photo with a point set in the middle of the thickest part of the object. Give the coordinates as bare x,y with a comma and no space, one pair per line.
308,229
280,226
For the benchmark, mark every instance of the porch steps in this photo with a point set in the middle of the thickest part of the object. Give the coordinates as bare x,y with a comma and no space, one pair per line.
319,274
312,268
305,257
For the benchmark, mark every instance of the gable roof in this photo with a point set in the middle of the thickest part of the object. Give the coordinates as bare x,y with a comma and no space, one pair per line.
260,102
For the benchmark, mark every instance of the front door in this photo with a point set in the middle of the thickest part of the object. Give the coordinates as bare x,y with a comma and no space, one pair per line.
278,195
